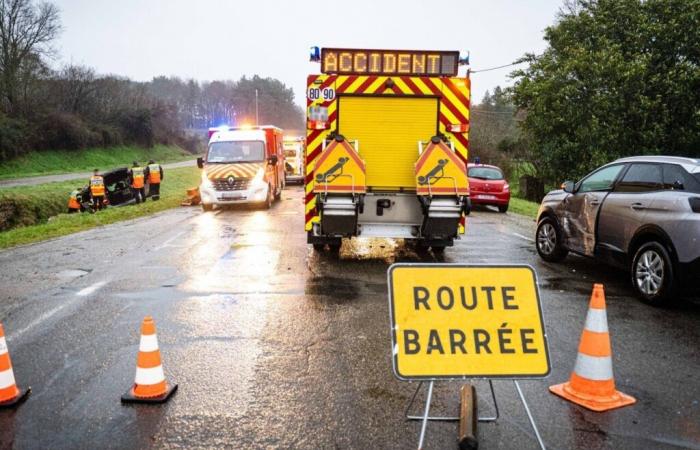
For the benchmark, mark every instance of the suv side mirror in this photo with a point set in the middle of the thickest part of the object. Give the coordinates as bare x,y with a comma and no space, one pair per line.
272,160
568,187
200,162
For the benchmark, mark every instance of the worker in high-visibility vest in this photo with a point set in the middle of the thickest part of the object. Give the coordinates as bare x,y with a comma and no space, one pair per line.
97,190
73,202
154,175
137,175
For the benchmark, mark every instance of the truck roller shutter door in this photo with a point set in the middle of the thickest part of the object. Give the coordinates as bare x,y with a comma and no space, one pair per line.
388,129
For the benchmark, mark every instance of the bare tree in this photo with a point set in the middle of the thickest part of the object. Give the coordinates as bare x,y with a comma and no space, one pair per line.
77,86
26,32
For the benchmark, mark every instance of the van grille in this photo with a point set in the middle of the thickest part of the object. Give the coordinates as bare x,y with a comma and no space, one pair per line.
239,184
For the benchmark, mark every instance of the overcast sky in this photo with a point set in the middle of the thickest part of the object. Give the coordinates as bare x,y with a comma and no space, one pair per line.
218,39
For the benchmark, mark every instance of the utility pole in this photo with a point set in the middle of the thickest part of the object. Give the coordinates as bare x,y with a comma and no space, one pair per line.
257,118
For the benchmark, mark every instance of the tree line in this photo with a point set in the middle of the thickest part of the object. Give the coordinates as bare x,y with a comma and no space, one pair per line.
73,107
618,78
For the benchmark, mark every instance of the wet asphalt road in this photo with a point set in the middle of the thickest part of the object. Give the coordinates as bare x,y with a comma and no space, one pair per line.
274,346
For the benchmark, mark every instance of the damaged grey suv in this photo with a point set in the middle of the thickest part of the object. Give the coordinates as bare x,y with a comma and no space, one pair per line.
640,213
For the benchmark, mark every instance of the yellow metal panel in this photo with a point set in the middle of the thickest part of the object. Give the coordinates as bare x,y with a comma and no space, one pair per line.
388,130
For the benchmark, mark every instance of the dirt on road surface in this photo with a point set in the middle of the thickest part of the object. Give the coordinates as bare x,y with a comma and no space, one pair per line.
275,346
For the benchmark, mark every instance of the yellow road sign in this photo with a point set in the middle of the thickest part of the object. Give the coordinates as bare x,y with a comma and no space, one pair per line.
340,169
466,321
439,171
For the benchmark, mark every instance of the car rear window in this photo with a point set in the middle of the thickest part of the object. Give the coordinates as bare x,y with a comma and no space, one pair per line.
675,174
485,173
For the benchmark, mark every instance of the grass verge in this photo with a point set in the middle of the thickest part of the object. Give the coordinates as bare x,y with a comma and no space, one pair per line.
52,162
172,193
523,207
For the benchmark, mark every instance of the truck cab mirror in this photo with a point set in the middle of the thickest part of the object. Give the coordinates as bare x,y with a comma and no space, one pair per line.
568,187
200,162
272,160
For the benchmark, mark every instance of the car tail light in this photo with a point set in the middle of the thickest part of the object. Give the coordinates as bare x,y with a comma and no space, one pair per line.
694,204
506,187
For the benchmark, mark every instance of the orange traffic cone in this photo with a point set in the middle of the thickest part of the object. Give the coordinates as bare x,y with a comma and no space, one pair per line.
150,385
10,394
592,384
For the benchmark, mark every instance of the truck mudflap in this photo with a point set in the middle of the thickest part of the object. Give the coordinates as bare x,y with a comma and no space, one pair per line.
442,187
339,185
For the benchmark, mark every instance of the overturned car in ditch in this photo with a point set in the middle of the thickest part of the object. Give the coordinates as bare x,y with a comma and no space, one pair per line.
117,187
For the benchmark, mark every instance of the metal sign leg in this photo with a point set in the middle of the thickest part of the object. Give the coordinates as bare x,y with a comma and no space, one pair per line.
529,416
409,416
425,416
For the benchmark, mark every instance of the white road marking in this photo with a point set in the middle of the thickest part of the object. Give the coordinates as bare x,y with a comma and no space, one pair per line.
47,315
167,243
523,237
90,289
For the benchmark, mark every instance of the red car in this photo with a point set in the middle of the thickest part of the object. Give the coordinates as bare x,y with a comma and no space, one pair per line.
488,186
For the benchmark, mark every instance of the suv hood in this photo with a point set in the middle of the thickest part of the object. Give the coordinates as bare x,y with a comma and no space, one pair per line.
237,170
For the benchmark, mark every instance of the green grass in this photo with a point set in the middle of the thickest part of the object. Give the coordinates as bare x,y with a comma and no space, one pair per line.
523,207
173,191
52,162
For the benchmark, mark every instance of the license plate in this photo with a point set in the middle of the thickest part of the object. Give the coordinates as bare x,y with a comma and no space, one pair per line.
486,197
231,195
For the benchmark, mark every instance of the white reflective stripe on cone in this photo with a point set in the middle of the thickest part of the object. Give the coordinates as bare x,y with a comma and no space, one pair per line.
3,346
149,343
597,320
596,368
7,378
154,375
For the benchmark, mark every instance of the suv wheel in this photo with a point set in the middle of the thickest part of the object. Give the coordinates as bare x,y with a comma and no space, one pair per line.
652,273
548,240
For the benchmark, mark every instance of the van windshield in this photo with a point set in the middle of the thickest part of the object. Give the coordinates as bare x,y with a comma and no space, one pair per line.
236,151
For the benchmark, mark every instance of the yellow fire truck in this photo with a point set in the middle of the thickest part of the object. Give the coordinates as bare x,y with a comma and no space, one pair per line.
386,147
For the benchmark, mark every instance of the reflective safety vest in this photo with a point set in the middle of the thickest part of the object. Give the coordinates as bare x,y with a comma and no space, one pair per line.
97,185
154,173
137,177
73,200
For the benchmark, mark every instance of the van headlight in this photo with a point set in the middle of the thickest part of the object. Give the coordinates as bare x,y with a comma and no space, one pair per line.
258,183
258,186
206,182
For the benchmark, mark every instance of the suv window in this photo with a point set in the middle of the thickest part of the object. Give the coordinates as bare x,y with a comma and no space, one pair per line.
641,177
602,180
673,173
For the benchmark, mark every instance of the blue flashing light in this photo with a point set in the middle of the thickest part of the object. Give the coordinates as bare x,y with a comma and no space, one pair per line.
464,59
315,54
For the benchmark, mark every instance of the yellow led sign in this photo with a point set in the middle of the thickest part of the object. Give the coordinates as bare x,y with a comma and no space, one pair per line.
389,62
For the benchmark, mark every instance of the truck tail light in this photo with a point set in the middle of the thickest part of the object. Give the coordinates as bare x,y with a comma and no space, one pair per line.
458,127
694,204
317,125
